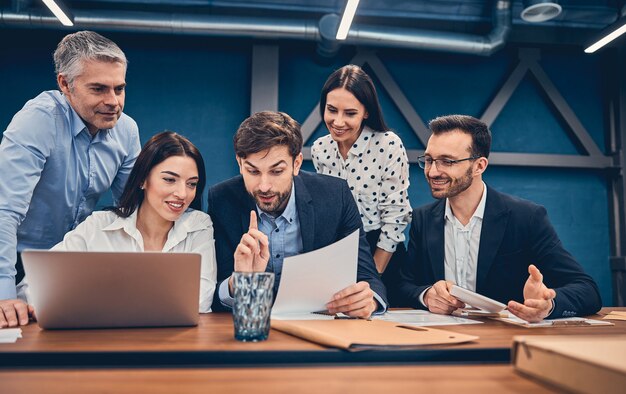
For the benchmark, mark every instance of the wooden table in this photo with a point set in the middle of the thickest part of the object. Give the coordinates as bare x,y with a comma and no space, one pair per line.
479,379
212,344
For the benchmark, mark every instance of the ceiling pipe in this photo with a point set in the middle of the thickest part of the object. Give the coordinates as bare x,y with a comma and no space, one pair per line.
187,24
436,40
268,28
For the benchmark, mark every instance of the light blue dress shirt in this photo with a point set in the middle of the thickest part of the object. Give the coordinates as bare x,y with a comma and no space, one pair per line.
284,236
52,175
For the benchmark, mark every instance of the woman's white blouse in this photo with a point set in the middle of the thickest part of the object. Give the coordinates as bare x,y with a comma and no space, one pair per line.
377,171
105,231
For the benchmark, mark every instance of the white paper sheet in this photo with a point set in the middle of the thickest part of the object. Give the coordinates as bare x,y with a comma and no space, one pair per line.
309,280
419,318
10,335
473,312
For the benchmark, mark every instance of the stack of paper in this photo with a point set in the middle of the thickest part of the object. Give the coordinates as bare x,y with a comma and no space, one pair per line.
10,335
419,318
473,312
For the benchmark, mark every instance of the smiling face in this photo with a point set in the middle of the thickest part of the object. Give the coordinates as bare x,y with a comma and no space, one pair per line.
268,176
451,181
97,94
169,188
344,116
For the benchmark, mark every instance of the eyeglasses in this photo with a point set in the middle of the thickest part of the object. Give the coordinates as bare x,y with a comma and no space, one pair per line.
427,162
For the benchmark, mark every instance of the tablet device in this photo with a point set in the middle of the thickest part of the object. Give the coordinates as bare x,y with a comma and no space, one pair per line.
113,289
476,300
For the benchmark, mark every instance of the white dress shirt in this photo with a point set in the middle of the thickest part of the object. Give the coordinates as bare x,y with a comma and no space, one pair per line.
377,171
461,245
105,231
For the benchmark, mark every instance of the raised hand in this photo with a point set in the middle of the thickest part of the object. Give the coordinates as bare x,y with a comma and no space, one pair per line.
537,298
252,253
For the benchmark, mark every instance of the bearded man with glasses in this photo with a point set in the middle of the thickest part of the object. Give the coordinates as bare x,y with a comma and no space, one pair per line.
485,241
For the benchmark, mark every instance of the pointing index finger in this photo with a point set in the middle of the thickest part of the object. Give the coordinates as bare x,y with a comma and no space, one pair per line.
253,221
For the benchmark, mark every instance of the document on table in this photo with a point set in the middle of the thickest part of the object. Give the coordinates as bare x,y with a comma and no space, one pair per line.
419,318
309,280
473,312
10,335
564,322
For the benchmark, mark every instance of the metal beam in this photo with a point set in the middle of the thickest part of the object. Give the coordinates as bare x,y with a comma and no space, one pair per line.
522,160
398,97
565,110
506,91
529,61
264,89
617,184
550,160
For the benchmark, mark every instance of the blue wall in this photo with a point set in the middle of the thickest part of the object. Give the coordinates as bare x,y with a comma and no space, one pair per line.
200,87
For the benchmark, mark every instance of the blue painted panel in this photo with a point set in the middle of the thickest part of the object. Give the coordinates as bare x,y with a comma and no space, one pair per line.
26,68
582,83
528,124
200,89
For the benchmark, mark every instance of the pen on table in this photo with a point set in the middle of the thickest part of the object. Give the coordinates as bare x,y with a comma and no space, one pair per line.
570,323
343,316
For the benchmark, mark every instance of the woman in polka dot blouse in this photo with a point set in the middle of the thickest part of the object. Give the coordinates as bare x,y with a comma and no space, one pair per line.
361,149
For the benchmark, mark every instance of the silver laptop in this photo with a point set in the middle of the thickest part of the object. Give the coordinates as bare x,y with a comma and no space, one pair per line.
113,289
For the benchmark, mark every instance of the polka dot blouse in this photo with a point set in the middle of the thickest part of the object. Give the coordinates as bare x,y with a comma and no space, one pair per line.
377,171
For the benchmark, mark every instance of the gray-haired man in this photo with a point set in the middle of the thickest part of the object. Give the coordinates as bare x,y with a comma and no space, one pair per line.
60,153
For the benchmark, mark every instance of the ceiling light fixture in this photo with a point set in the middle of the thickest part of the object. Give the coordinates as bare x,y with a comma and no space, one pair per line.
346,19
607,35
540,10
60,11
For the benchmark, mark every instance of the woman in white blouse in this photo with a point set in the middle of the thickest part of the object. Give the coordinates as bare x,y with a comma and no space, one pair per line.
361,149
159,210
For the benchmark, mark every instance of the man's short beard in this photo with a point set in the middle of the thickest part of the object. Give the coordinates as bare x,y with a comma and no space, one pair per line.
277,207
457,186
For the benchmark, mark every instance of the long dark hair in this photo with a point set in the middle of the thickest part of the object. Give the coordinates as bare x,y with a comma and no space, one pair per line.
157,149
356,81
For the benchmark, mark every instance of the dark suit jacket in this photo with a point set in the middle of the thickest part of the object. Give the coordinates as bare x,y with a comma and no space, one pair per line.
515,233
326,210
